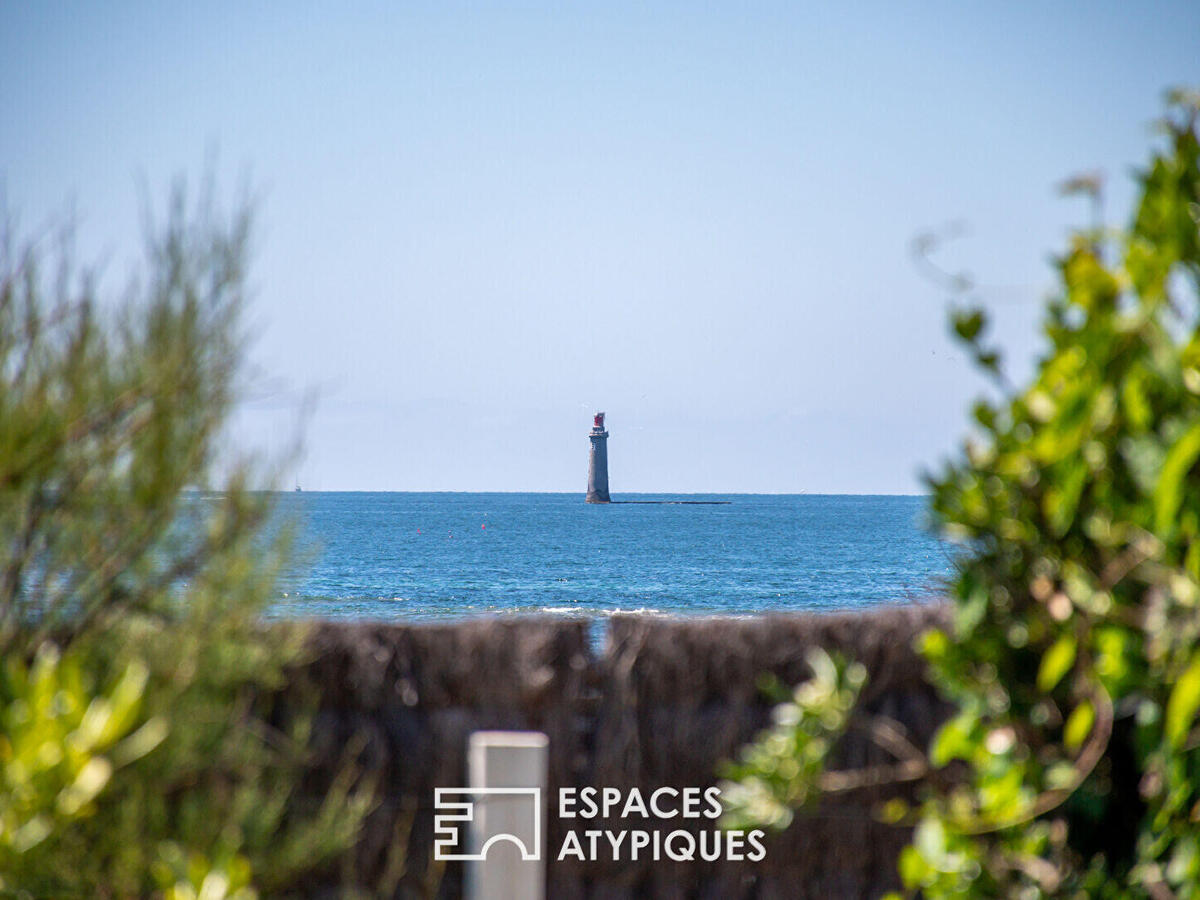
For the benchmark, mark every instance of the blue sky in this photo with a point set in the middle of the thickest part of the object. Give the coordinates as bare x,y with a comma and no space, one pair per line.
479,224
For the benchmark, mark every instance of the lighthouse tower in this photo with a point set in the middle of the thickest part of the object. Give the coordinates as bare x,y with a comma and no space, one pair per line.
598,462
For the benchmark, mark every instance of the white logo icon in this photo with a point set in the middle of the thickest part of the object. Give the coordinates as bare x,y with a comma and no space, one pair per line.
518,811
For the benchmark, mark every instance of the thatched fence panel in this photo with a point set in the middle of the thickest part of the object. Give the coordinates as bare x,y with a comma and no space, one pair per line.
663,704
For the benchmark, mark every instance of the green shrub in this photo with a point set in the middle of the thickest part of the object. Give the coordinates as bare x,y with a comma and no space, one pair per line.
1072,763
60,740
122,558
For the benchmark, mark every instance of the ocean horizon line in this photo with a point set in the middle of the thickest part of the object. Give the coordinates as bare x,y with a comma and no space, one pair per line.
580,493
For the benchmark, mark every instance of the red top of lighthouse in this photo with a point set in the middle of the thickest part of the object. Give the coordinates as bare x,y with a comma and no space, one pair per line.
598,420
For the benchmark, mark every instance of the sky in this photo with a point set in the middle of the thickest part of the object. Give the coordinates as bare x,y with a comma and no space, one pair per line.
479,224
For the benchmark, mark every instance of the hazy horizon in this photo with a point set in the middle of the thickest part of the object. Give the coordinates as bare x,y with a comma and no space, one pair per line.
305,490
478,227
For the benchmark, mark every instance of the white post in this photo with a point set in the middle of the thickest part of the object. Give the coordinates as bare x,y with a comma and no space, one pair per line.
507,773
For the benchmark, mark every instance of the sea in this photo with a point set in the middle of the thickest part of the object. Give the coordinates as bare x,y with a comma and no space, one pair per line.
422,557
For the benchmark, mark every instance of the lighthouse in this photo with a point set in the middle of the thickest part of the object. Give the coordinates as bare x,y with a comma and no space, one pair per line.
597,491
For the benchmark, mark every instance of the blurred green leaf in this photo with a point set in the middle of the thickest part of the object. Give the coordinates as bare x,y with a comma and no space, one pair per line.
1183,702
1169,492
1079,725
968,324
1056,662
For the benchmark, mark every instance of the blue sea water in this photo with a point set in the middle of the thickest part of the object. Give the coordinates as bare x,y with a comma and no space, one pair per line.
440,556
